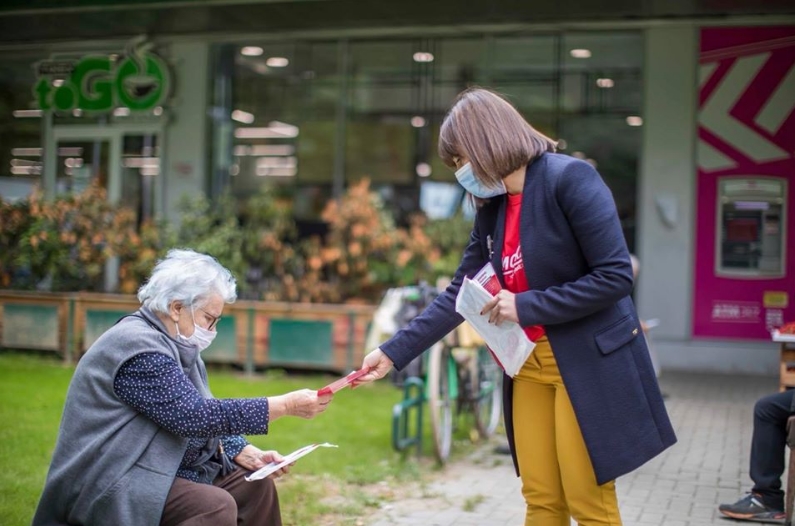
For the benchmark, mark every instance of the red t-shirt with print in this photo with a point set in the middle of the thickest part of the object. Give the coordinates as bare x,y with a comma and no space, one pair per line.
512,265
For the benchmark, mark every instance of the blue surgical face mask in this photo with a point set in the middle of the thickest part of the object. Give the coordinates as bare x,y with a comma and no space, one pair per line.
466,177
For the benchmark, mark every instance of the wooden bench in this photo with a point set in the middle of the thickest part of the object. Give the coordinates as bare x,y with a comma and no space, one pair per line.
787,381
787,361
790,495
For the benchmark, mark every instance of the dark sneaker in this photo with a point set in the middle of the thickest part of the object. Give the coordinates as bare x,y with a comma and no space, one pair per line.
752,508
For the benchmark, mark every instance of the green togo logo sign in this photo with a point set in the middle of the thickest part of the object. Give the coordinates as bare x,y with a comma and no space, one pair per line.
138,80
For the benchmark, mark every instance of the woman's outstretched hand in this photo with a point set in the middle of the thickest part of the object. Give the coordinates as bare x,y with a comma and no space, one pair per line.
379,365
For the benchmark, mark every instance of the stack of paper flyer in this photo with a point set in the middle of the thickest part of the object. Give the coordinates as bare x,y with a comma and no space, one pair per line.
273,467
507,341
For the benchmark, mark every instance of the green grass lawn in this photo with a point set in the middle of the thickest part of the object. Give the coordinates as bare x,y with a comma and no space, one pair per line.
330,486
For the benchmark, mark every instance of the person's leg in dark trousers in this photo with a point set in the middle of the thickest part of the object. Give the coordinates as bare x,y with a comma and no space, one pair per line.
193,504
768,445
231,501
257,501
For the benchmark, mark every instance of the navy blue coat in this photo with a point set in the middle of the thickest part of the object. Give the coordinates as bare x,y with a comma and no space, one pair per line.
578,268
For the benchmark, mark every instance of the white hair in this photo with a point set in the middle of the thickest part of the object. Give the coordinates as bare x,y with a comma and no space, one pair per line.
188,277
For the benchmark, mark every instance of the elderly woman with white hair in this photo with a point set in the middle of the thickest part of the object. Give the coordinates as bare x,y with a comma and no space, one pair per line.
142,440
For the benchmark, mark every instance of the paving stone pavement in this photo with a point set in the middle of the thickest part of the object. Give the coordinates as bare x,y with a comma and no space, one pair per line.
712,415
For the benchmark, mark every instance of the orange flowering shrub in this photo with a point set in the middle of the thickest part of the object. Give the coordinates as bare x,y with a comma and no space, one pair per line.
140,250
64,243
417,254
365,253
449,237
269,246
361,241
15,219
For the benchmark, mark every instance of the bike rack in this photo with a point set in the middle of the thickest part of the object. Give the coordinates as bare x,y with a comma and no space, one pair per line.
413,398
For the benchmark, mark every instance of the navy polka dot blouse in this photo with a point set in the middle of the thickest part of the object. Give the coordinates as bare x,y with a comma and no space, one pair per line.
155,385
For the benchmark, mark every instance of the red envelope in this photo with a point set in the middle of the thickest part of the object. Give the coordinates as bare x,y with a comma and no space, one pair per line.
487,277
343,382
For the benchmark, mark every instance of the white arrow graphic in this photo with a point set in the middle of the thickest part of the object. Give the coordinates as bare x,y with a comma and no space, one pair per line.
780,104
705,71
715,115
709,158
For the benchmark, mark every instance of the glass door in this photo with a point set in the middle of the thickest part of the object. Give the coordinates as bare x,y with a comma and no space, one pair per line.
140,171
76,156
81,162
125,161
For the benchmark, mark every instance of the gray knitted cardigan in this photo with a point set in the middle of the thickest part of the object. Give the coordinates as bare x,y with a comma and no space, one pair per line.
113,465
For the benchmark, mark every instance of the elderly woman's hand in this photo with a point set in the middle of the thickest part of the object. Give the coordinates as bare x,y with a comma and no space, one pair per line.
304,403
252,458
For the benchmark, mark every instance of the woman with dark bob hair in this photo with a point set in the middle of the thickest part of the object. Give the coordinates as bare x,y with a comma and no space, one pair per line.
585,408
142,440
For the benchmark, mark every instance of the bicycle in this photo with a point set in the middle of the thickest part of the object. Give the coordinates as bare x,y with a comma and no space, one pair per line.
456,377
465,379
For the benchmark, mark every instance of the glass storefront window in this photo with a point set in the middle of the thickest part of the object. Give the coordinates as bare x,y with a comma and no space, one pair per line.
524,70
139,173
382,100
461,62
534,100
372,108
599,116
285,99
601,72
20,128
313,116
80,162
84,124
523,58
382,61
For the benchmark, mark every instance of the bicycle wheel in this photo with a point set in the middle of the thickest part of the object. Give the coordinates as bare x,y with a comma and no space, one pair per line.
439,402
488,393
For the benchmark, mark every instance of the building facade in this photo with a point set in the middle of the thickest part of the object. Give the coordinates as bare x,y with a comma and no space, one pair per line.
685,110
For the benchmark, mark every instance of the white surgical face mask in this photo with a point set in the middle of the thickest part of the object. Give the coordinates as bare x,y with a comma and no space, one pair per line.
201,337
466,177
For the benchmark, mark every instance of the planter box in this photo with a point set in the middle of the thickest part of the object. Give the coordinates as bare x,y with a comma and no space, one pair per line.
33,321
302,335
251,334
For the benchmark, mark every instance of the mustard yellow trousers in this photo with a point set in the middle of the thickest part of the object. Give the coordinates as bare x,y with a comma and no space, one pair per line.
558,482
